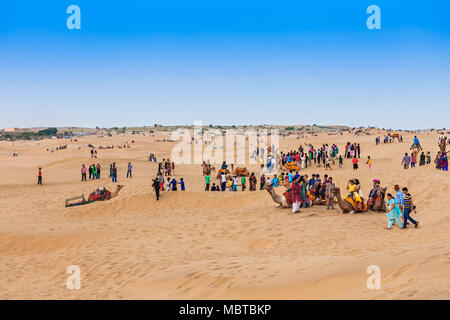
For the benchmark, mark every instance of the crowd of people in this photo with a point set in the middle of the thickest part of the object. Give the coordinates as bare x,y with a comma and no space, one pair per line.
94,172
441,161
166,168
398,205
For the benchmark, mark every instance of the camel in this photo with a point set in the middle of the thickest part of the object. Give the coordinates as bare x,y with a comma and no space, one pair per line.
394,136
345,206
415,151
280,199
118,188
312,199
97,195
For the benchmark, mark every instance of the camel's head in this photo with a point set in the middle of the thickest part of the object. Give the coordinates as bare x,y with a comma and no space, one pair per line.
383,191
335,191
268,187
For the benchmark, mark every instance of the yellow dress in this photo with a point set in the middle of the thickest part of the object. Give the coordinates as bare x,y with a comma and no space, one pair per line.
353,188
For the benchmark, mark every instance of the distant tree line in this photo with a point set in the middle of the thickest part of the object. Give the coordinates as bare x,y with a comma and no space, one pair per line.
27,135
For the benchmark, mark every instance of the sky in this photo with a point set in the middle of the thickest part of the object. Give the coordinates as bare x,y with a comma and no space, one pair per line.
136,63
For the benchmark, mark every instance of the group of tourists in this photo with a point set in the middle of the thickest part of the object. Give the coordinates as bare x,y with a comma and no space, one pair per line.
94,172
352,150
166,167
441,161
304,191
305,156
232,183
400,205
171,184
95,169
93,153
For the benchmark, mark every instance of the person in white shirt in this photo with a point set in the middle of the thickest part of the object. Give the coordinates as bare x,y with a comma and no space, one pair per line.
223,181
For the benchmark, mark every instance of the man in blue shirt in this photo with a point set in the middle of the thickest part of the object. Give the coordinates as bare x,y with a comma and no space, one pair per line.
312,181
129,169
399,197
290,177
275,181
416,142
174,184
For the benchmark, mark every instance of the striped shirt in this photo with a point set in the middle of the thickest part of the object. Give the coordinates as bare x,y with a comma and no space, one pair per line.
407,201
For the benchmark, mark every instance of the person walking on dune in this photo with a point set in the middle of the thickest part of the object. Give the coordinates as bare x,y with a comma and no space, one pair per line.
408,206
393,212
83,173
130,167
40,176
114,172
156,185
406,160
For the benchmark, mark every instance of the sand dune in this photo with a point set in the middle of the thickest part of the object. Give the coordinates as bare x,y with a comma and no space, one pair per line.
199,245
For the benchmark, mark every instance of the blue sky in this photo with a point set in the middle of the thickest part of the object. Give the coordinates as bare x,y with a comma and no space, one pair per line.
225,62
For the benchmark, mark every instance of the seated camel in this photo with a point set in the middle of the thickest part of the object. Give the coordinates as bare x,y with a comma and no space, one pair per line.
280,199
345,205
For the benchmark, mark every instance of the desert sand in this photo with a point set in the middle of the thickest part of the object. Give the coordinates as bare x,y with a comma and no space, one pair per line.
200,245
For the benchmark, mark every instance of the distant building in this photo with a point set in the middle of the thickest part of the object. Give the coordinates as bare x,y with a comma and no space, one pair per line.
12,130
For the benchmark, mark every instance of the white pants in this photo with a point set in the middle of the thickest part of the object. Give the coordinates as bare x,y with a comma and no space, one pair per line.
295,206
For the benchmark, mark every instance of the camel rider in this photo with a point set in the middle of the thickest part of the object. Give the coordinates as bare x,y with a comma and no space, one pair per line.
224,166
353,189
317,187
416,142
373,195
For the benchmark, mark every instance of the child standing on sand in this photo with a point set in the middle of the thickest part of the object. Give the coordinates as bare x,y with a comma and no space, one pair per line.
341,161
369,162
